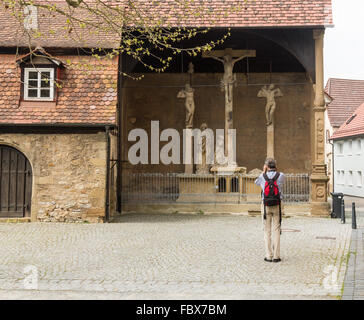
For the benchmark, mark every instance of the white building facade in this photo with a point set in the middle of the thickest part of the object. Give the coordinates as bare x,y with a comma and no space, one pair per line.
349,166
342,97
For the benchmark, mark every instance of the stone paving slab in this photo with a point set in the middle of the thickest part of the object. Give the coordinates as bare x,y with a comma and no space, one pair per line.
173,257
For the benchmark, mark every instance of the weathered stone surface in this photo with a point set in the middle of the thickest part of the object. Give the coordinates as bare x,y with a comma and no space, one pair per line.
69,173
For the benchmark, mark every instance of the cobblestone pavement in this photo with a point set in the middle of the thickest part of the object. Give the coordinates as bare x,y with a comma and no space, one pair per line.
173,257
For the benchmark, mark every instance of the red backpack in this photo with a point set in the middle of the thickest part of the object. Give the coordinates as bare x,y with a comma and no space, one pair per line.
271,194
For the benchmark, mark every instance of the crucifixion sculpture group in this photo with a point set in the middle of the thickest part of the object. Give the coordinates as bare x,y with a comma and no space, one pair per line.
229,58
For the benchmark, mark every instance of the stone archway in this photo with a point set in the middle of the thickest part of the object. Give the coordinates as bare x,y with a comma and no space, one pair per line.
15,183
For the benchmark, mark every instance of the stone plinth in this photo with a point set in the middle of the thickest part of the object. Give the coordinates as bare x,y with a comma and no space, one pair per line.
320,209
196,187
227,170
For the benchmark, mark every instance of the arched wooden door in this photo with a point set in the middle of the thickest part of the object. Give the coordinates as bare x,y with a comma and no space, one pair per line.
15,183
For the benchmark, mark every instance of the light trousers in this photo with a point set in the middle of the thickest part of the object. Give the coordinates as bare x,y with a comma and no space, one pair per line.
272,232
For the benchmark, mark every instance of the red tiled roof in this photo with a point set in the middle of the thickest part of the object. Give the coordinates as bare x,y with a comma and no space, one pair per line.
209,13
351,128
53,30
347,96
87,98
251,13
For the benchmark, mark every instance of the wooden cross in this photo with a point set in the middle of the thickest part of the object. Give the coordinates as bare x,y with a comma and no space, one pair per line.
228,57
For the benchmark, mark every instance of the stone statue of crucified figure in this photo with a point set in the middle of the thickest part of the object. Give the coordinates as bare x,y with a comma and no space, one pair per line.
228,80
270,93
188,94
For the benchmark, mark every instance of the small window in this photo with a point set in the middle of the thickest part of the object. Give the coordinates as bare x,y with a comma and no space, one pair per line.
343,177
338,177
341,148
39,84
360,179
358,146
350,147
350,178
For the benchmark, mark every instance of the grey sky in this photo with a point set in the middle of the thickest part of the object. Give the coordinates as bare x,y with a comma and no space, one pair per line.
344,44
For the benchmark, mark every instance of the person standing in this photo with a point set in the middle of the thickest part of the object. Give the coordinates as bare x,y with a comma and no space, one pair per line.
271,182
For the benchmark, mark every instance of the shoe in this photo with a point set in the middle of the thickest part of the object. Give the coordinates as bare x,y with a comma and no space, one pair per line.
267,260
277,260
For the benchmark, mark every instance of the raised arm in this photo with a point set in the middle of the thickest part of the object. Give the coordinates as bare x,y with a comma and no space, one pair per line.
216,58
181,94
262,93
238,59
278,92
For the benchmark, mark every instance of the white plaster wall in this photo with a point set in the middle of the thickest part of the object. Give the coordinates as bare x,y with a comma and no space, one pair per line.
349,166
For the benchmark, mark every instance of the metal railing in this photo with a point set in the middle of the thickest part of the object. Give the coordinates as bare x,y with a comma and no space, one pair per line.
190,188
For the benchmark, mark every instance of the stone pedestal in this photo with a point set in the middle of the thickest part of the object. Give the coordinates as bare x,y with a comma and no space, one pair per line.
229,180
202,188
196,188
188,168
320,209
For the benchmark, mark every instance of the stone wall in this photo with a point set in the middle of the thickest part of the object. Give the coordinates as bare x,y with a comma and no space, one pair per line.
155,98
69,173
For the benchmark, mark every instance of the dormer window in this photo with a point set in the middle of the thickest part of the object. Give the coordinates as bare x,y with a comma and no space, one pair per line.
39,84
40,75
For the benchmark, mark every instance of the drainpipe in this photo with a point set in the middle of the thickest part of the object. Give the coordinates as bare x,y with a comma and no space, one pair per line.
120,135
107,187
